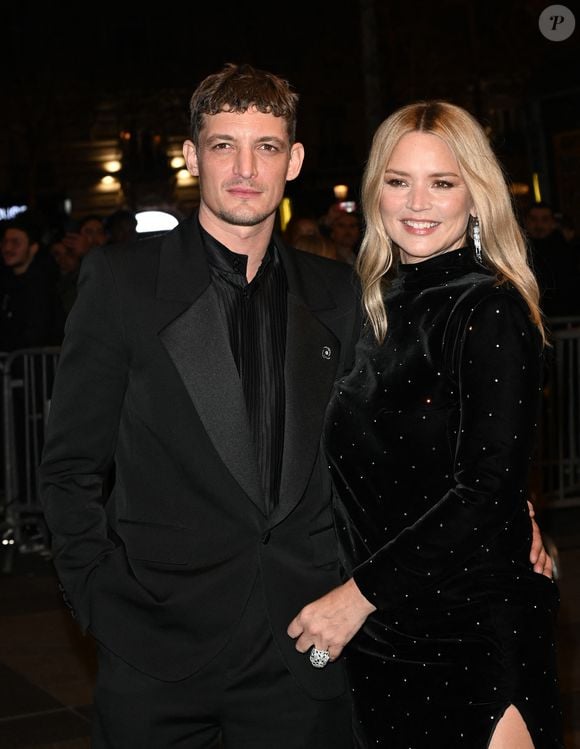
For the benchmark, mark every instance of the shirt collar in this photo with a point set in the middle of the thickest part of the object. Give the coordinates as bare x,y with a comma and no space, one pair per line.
233,263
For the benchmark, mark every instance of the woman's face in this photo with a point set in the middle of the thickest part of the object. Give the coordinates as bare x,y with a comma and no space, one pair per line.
425,204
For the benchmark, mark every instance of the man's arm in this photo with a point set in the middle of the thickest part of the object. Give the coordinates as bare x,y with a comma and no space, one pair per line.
539,557
82,431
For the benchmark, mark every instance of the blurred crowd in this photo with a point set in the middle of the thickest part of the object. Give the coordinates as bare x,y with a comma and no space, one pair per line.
553,241
336,234
39,272
39,268
555,254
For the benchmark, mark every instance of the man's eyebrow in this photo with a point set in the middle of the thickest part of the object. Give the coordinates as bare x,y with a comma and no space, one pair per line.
272,139
262,139
220,136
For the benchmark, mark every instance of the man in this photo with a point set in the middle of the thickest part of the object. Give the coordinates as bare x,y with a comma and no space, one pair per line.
29,310
121,226
345,232
554,262
199,364
90,232
68,264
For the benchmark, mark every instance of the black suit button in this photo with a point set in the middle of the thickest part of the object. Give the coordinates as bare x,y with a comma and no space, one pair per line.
266,537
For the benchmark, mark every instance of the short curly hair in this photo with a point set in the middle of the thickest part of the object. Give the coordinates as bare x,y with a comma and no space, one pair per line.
237,88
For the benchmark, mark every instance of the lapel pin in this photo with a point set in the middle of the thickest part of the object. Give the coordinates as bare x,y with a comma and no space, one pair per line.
326,352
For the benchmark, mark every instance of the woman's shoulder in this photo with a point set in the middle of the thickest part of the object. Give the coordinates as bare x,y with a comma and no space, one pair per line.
489,310
485,294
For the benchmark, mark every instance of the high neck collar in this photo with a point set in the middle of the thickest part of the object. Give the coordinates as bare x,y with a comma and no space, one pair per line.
439,268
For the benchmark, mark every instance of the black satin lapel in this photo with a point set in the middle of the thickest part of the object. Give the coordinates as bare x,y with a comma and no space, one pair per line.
198,345
312,355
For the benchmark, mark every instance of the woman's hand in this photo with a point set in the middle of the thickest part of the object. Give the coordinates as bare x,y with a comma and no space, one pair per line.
331,621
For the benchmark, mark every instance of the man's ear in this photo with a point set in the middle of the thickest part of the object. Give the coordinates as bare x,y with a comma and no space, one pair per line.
190,156
296,160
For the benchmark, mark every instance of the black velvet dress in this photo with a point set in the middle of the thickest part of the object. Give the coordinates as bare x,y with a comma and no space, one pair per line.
430,439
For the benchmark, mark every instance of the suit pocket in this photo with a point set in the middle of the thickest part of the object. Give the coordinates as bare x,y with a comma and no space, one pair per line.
324,547
153,542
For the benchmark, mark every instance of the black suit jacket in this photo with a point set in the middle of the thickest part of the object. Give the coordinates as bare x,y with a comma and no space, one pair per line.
160,571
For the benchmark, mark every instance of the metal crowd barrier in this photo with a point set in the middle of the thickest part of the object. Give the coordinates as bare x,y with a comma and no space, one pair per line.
560,429
27,379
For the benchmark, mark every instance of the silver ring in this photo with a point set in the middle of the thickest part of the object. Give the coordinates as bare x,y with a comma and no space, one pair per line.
319,658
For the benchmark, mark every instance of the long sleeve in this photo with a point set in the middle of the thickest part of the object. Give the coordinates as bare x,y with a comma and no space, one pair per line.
82,429
497,366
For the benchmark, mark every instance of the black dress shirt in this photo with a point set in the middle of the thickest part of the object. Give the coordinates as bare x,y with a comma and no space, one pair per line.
255,314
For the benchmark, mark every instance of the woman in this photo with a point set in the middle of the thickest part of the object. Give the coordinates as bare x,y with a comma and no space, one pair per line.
430,439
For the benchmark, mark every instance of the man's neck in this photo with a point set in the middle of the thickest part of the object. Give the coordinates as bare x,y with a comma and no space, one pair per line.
252,241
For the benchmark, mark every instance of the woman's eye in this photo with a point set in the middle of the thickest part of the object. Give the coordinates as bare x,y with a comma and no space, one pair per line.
443,183
394,182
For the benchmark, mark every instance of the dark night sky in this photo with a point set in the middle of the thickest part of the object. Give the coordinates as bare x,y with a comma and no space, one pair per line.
314,44
468,51
172,44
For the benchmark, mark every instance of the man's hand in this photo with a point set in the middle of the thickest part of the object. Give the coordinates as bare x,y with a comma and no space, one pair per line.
331,621
539,557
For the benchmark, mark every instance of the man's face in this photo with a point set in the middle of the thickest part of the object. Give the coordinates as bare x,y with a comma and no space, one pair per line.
66,260
540,223
345,230
243,162
17,250
94,232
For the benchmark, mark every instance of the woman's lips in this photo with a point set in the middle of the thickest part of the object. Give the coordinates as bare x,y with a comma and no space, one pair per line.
419,227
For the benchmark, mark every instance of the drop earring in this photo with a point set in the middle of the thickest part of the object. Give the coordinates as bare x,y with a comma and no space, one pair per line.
477,239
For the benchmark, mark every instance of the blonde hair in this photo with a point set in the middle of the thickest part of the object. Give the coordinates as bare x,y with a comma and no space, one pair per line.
503,245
